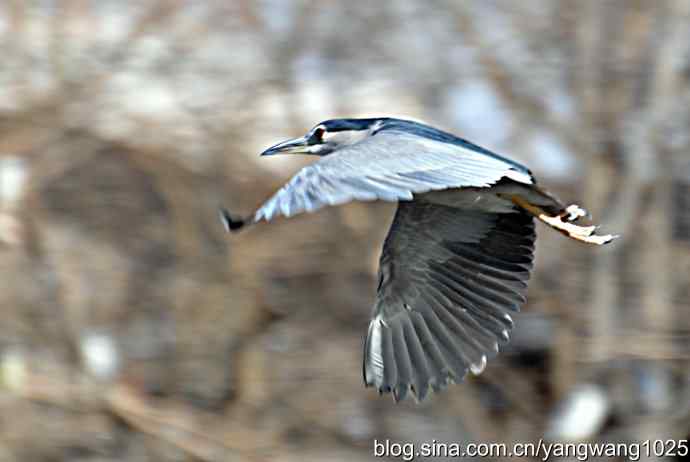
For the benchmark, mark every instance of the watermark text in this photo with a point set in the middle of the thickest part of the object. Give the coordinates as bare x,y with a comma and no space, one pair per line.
541,449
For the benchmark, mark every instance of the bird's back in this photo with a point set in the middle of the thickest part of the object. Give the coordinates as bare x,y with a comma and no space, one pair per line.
425,131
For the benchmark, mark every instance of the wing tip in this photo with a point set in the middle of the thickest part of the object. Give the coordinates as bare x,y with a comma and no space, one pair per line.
419,389
400,391
230,222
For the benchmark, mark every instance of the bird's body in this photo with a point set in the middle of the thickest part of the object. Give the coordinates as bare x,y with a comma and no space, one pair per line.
459,252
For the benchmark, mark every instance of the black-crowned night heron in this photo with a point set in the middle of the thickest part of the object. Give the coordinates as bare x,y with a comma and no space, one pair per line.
458,254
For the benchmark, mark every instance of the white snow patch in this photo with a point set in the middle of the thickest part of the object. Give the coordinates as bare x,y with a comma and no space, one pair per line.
100,355
580,415
12,180
13,370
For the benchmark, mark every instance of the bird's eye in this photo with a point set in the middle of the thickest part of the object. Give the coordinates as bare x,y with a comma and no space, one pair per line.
317,134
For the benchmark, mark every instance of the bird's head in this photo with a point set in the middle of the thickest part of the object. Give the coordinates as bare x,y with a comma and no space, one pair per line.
327,137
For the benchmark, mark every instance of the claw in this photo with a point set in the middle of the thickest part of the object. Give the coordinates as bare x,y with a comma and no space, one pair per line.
563,223
580,233
597,239
574,212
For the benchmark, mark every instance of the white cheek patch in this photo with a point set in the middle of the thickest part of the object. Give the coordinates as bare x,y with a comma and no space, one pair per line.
345,137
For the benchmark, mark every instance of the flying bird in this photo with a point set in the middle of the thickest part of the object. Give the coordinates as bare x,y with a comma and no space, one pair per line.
458,255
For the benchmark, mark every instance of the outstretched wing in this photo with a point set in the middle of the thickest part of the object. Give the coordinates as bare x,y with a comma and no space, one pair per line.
392,165
448,280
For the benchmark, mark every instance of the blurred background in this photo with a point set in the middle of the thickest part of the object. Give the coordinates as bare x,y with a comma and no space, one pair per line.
134,329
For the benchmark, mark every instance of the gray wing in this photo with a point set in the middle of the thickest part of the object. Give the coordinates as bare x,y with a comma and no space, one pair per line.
448,279
390,166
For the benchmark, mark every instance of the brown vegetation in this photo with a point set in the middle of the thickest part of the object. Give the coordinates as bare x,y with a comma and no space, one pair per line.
135,329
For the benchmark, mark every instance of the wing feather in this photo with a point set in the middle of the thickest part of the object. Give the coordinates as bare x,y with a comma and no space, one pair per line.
450,277
392,166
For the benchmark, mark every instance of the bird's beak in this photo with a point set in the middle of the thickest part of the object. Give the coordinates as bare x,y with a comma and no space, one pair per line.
294,146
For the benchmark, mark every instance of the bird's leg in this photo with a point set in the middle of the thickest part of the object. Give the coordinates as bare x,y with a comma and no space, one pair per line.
562,222
571,213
